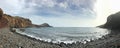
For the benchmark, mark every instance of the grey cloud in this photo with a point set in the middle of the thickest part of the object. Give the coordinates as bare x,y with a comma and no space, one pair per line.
49,7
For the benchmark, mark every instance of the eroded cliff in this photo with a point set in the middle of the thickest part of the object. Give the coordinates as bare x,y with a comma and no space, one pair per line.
16,21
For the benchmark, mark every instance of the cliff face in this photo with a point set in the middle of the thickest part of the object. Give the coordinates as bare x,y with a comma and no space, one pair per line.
3,21
16,22
113,21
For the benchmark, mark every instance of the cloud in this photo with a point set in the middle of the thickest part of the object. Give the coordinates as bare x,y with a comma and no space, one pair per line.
65,11
42,6
63,21
10,7
64,5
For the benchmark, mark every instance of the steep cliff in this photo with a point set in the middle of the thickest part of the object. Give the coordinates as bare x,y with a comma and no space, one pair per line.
3,21
16,21
113,21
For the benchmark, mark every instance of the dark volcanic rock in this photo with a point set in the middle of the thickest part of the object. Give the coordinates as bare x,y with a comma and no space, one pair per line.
113,21
45,25
42,25
1,12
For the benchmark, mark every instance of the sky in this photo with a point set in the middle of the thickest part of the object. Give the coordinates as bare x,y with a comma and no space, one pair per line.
62,13
104,8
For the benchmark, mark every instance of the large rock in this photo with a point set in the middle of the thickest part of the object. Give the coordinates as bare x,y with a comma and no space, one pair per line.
1,12
113,21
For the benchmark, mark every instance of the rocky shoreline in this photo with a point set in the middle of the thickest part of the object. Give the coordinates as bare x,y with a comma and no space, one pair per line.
10,39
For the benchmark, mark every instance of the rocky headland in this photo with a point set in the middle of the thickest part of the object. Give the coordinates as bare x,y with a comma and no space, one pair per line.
113,22
17,22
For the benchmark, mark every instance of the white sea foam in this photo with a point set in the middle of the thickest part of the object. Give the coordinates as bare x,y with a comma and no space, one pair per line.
60,35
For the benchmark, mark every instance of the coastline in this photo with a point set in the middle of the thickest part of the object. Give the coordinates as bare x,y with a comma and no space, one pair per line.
9,39
15,40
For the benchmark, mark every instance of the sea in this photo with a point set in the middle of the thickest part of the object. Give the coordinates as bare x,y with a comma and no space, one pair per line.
64,34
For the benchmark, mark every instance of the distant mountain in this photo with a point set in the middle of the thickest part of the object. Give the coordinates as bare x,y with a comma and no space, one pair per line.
113,21
17,22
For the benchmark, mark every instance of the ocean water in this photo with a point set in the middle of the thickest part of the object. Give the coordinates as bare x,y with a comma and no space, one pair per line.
65,34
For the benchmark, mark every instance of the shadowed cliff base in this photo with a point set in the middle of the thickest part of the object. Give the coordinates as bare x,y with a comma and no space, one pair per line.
17,22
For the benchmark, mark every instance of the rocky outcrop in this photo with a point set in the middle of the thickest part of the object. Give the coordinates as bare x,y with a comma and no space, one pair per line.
1,12
42,25
113,21
16,21
45,25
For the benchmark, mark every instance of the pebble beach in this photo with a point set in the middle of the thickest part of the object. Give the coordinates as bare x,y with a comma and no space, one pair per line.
10,39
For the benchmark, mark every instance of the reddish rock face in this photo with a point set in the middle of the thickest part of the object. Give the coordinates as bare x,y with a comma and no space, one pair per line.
3,21
10,21
17,22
